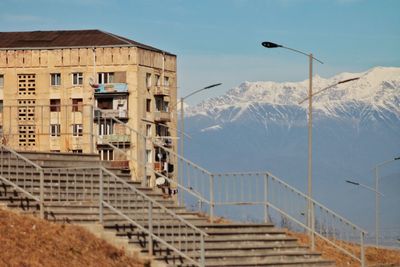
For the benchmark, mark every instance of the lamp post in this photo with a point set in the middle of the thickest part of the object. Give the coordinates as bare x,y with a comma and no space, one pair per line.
377,198
182,99
310,210
377,193
310,56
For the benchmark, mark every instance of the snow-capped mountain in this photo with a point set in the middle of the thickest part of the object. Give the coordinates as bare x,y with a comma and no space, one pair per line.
260,126
377,91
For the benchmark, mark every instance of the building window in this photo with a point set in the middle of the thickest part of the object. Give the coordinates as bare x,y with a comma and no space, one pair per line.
77,78
161,130
148,129
77,151
148,80
106,128
148,105
1,80
106,154
148,156
1,106
161,105
77,130
77,105
105,77
157,80
105,103
55,129
55,79
166,81
55,105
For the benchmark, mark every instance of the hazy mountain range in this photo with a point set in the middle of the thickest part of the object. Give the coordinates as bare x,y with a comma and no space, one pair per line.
261,126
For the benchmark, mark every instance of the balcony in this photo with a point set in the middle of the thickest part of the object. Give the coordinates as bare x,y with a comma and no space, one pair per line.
111,113
163,141
162,116
111,88
161,90
113,138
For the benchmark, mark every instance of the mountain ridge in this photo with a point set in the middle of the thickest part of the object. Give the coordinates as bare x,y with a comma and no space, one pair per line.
377,91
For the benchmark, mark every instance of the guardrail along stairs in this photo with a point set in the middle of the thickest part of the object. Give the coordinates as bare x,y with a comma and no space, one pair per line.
73,188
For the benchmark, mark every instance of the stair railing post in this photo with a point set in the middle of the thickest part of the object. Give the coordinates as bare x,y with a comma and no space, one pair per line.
101,196
91,123
211,198
144,182
266,220
41,193
202,252
362,248
150,222
312,216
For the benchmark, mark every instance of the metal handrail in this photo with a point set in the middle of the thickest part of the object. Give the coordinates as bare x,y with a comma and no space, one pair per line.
2,178
180,218
318,203
175,216
21,157
338,218
298,192
150,233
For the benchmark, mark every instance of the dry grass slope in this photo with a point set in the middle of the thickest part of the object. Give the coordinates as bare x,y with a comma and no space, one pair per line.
28,241
375,256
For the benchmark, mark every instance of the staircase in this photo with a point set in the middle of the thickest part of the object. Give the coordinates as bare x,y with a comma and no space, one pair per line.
77,189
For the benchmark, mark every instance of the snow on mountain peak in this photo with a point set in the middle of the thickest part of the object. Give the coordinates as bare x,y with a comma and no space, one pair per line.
378,87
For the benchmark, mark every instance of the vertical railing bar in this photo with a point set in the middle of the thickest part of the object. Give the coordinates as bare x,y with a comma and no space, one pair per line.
150,227
41,194
101,214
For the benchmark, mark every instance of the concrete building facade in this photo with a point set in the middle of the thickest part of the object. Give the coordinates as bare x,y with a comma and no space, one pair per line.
89,91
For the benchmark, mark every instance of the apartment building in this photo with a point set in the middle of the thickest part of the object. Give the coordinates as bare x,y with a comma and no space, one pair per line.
89,91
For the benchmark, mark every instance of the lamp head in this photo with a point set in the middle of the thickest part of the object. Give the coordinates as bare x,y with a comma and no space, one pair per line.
212,85
270,45
351,182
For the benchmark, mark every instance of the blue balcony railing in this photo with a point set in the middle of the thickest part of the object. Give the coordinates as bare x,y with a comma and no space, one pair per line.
112,88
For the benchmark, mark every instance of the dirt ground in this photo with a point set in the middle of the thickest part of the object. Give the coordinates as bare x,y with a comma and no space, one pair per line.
376,257
26,241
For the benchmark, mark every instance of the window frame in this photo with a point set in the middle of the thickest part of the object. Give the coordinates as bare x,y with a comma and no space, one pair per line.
105,77
55,79
55,130
77,129
77,107
78,78
55,107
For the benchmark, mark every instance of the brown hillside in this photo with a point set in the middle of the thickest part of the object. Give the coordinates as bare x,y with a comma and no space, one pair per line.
376,257
30,242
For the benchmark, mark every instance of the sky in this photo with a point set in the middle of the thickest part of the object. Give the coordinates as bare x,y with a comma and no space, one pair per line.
219,41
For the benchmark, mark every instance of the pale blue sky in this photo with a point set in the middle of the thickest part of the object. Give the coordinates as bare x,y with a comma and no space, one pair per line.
219,40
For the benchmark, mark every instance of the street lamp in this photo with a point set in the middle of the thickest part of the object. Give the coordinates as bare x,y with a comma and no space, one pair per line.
365,186
377,199
310,221
376,204
183,111
310,56
183,118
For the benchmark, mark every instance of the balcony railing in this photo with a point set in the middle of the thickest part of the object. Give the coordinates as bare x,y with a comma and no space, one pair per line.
114,138
161,90
162,116
111,88
111,113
